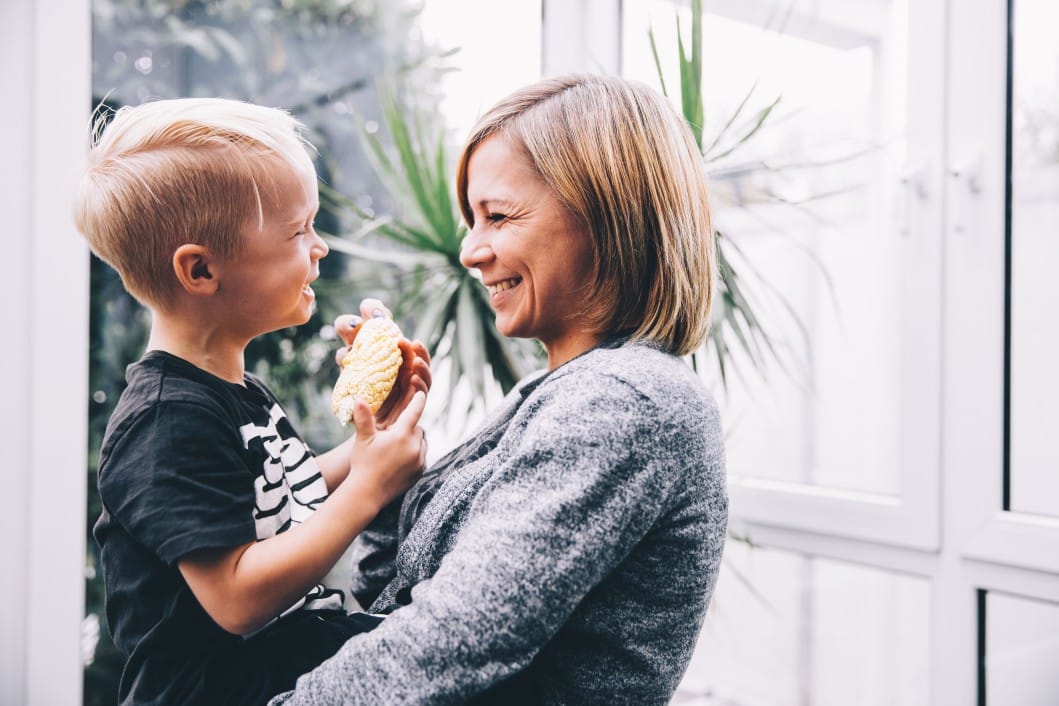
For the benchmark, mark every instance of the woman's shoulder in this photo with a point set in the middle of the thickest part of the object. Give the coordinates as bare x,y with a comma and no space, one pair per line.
638,370
641,365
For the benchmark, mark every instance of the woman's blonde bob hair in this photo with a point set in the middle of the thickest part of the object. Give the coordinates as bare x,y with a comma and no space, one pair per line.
626,165
186,170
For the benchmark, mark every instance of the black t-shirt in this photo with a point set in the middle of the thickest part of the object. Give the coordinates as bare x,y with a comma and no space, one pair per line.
189,462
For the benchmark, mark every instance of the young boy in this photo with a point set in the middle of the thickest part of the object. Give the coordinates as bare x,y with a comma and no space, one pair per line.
220,530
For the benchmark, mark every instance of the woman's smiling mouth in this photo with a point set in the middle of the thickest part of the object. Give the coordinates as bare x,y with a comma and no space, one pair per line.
503,285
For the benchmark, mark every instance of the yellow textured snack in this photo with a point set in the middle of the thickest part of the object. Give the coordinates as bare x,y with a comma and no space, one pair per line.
369,369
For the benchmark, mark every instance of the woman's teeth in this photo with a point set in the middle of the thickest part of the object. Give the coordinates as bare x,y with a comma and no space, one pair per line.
503,285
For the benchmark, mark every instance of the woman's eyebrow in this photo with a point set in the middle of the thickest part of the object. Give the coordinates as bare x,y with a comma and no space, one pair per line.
495,201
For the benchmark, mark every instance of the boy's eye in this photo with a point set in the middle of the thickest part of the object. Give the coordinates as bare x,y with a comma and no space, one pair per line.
496,217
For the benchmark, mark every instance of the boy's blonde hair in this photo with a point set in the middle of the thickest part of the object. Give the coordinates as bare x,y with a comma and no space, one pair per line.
626,165
187,170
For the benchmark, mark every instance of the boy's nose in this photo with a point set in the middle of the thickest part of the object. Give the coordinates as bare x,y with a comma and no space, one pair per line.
320,247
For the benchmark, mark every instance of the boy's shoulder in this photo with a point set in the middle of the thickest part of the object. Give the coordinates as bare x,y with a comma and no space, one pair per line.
162,377
160,381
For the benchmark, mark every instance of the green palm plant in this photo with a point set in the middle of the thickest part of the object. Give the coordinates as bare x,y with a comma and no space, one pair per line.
736,324
441,302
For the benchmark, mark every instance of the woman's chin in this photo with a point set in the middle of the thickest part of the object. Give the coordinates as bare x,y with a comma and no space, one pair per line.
508,328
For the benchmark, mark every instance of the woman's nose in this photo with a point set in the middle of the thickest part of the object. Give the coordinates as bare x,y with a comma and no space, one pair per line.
474,251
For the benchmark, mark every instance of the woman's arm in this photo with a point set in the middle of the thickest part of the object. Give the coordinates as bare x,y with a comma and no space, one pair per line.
245,587
565,505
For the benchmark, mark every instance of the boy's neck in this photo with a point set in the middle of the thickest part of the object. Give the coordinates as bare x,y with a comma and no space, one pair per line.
210,350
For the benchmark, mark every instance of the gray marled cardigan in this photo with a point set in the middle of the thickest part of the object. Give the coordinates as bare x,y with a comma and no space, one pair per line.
568,556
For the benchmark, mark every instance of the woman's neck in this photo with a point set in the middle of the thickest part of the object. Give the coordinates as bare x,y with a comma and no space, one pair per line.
569,347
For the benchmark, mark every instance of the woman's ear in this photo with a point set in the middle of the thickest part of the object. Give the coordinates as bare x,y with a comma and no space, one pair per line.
195,269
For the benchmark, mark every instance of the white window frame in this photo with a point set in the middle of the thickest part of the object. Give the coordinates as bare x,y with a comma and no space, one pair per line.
976,173
46,84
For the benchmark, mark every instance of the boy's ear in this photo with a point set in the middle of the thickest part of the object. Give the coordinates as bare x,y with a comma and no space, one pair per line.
196,269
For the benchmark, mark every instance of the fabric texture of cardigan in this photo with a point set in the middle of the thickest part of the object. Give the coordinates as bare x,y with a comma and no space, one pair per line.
565,554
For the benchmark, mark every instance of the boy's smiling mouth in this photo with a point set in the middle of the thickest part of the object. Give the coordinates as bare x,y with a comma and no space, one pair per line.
308,288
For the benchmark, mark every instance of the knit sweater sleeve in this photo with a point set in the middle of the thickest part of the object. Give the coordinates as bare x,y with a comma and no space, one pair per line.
372,554
584,470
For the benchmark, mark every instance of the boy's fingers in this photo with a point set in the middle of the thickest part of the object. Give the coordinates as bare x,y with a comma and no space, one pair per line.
363,419
410,415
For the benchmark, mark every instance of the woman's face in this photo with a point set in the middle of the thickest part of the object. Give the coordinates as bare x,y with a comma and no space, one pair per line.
534,256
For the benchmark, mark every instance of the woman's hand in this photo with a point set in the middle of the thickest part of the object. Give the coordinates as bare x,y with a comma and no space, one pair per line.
414,374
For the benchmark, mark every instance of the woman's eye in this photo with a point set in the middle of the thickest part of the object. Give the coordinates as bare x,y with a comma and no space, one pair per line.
496,217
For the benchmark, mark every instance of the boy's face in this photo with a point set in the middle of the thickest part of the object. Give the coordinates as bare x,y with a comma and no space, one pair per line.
266,287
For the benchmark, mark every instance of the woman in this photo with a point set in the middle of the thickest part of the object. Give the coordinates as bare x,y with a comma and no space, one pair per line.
565,553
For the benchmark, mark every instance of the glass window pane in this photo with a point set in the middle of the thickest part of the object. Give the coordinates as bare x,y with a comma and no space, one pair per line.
488,65
812,215
825,633
1034,460
1021,651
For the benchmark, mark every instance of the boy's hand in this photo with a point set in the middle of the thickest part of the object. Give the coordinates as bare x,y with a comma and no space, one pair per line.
414,374
242,588
389,460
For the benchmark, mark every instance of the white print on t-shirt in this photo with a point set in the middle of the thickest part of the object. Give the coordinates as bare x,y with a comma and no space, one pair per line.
290,485
287,491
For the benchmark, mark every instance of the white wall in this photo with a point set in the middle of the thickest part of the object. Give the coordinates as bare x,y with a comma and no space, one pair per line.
45,84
